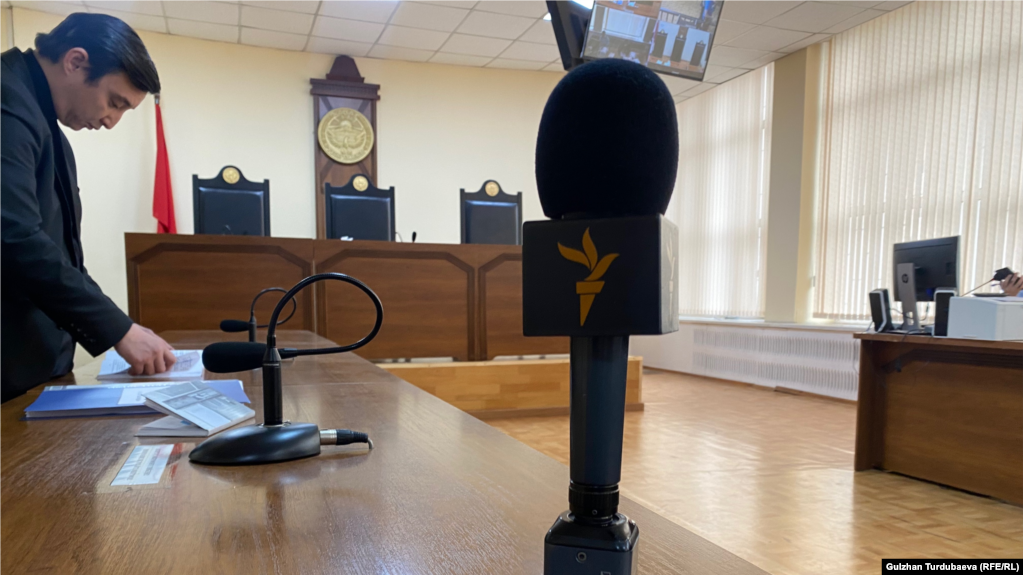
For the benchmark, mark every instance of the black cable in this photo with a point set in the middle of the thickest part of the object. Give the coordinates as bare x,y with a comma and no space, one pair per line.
252,308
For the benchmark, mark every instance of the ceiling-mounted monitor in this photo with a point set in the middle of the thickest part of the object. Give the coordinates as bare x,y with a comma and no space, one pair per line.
670,37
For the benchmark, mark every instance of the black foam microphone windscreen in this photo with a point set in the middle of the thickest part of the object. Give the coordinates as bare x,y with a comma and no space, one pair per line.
608,143
232,356
234,325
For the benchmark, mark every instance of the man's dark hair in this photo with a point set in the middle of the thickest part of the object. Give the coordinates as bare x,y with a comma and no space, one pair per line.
112,46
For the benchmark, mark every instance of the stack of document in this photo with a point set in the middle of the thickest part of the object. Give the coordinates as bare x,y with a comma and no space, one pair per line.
193,409
187,368
111,398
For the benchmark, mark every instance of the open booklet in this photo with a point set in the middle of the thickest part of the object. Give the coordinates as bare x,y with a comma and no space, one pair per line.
193,410
187,367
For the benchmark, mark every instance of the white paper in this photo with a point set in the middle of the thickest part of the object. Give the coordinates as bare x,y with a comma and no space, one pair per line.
171,426
131,393
144,466
196,402
188,366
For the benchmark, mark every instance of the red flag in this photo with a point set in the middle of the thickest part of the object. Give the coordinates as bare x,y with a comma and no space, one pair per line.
163,197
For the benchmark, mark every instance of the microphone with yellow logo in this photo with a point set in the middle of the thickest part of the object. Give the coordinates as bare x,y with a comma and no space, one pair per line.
600,269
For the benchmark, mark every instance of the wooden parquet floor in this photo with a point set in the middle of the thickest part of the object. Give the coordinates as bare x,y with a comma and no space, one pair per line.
769,476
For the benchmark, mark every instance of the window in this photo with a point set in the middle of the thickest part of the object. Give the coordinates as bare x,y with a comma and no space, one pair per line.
921,137
720,199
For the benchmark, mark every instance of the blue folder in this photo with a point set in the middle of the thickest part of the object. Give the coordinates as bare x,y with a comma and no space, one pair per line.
95,400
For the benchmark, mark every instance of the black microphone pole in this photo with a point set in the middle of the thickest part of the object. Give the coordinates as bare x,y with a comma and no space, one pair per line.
601,269
276,439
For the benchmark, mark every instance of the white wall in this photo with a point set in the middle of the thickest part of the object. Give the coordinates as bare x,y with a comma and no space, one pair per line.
440,128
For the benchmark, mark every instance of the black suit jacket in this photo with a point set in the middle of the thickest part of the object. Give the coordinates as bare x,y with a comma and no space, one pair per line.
47,300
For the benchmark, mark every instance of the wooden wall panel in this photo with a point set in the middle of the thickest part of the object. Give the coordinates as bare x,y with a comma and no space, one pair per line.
500,305
193,282
427,292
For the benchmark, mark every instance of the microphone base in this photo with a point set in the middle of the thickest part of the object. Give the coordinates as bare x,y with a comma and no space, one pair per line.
259,444
574,548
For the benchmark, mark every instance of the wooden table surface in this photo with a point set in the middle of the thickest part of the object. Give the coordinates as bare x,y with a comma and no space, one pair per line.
442,492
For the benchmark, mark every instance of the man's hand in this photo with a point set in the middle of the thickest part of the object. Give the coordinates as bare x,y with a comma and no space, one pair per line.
1012,285
145,351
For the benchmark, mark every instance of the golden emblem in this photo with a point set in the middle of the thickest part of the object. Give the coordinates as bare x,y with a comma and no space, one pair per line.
360,183
492,188
345,135
231,175
591,286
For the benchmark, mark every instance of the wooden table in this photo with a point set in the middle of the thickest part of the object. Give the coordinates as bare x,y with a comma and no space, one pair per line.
442,492
944,410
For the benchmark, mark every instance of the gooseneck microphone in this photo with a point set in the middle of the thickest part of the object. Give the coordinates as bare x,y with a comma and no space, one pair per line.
276,439
237,325
601,269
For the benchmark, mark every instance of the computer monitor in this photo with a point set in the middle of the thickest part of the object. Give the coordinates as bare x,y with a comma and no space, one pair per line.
670,37
936,263
921,268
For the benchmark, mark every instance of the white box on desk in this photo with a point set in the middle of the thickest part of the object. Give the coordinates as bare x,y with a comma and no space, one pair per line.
992,319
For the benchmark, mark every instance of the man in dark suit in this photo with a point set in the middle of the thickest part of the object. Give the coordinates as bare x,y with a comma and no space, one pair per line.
85,73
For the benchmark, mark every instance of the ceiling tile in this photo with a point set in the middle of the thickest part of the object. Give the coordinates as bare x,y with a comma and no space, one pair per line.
351,30
429,16
733,57
892,5
5,4
495,25
528,8
303,6
680,99
216,12
413,38
753,12
856,3
726,75
204,30
762,61
460,59
677,85
541,33
278,20
862,17
363,10
804,43
269,39
813,16
61,8
396,53
515,64
699,89
729,29
338,47
533,52
468,5
474,45
767,38
555,67
137,21
151,8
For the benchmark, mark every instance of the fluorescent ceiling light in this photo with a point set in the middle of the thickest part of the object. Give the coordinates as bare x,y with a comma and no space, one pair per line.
547,16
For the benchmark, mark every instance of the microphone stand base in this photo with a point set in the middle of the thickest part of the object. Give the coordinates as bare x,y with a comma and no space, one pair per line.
257,444
573,548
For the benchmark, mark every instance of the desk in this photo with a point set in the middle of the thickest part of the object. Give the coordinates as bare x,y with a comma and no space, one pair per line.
440,300
442,492
944,410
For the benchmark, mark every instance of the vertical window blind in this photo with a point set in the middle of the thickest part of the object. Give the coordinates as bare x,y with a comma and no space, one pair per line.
720,199
921,137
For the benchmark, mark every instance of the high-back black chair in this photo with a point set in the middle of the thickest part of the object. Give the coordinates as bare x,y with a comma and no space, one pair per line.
490,216
231,205
359,210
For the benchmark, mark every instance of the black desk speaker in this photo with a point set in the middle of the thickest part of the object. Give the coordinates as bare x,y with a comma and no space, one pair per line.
942,299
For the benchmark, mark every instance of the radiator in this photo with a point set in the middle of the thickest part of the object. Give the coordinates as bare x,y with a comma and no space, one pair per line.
821,362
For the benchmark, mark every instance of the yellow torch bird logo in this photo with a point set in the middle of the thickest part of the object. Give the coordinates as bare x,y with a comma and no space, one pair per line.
591,286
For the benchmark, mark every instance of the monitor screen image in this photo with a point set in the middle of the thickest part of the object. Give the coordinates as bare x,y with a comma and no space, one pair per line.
667,37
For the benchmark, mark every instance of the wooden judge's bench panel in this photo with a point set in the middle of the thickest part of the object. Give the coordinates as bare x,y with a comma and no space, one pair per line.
440,300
